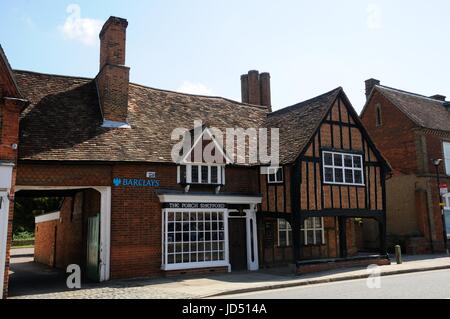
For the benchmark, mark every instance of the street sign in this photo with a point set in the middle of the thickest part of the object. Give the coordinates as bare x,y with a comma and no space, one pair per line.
443,189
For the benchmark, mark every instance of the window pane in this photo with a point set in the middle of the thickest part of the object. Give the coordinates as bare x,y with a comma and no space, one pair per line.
281,224
280,175
348,162
318,222
358,177
194,175
289,241
183,174
310,238
319,237
282,237
214,179
339,175
271,176
328,159
349,176
204,174
357,161
328,175
447,221
309,223
337,160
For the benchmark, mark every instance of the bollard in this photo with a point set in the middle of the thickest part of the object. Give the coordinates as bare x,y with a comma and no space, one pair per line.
398,254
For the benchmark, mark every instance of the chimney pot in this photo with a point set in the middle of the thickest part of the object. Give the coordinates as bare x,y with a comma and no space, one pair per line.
370,84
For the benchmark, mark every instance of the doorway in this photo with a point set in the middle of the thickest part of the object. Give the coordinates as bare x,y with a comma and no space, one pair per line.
237,234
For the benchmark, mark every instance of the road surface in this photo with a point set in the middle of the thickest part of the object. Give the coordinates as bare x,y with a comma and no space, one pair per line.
418,285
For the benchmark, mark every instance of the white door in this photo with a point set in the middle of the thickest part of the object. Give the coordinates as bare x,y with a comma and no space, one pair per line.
4,209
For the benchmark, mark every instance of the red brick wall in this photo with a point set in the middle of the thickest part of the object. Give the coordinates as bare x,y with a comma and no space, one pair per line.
9,130
45,241
135,211
60,242
394,138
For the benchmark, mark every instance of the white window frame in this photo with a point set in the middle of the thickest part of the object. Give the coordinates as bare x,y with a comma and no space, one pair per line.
192,265
287,230
446,157
343,167
190,167
314,229
272,171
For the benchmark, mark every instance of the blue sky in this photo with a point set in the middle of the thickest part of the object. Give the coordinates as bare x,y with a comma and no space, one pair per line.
204,46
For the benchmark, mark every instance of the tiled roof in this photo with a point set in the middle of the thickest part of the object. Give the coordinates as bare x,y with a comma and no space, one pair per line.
64,121
298,123
423,111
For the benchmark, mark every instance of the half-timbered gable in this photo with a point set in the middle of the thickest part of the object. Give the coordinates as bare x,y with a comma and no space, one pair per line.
331,174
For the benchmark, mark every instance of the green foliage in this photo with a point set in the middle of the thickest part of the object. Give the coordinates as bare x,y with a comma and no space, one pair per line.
26,208
23,235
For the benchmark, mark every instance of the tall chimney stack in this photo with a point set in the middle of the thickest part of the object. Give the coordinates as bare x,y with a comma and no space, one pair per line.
255,88
113,78
370,84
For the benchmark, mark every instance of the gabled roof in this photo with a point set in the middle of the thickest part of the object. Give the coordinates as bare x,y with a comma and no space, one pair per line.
423,111
63,121
299,122
11,87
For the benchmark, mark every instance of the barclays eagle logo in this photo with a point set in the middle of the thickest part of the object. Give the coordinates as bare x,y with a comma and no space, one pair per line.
117,181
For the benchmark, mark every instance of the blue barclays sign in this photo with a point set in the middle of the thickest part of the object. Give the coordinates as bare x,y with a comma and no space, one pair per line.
135,182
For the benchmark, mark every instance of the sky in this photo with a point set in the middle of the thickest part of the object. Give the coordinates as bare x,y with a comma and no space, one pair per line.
203,46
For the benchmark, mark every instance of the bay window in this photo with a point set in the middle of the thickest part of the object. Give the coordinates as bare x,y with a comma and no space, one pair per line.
342,168
193,239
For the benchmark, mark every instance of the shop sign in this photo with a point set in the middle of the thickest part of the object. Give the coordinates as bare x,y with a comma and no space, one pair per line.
195,205
135,182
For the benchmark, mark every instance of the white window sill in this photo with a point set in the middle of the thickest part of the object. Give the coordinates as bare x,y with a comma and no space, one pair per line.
208,264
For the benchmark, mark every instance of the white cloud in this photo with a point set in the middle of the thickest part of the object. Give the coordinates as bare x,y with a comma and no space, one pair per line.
194,88
75,27
374,17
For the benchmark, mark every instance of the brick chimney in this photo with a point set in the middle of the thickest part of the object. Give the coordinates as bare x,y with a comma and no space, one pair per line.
255,89
113,77
370,84
438,97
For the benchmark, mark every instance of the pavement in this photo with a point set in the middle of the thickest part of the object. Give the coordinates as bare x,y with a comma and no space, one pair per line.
228,284
419,285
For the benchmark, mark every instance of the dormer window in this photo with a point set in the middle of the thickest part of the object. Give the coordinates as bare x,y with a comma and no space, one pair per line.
275,175
202,174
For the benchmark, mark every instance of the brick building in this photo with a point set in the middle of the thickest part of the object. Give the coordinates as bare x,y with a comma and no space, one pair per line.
412,130
11,104
130,210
